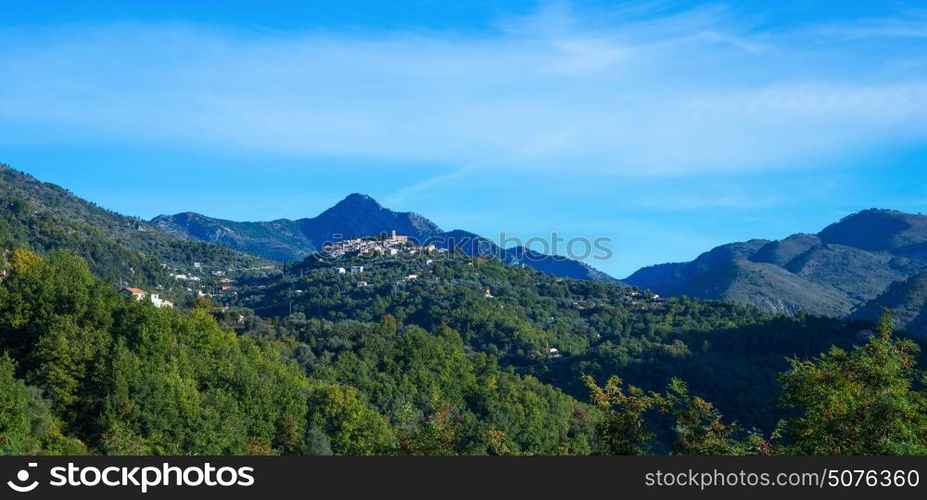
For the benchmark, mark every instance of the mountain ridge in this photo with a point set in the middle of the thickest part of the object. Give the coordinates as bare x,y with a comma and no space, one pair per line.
833,272
43,217
357,215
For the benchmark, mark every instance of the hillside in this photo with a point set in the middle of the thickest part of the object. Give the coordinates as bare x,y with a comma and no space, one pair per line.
281,240
82,370
767,287
881,230
44,217
908,301
292,240
475,245
419,352
552,328
830,273
356,216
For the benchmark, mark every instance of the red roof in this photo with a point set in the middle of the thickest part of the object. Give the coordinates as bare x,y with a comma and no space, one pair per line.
133,291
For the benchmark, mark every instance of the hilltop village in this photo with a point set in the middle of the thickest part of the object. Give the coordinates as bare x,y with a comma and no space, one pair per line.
223,285
386,244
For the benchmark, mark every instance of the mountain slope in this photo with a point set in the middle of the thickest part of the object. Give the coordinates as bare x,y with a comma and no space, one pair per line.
281,240
474,245
767,287
45,217
881,230
518,315
845,265
357,216
908,301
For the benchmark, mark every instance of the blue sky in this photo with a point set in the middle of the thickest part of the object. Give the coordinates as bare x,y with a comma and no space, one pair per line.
667,126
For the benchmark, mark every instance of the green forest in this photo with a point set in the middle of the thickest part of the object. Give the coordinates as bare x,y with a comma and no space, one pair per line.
457,360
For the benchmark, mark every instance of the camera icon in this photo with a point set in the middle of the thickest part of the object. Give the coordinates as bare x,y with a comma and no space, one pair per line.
22,476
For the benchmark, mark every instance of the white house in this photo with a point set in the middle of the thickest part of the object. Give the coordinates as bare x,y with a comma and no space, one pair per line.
159,302
139,294
136,293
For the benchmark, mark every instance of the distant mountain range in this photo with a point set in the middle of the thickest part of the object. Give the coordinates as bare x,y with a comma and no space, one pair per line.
853,267
357,215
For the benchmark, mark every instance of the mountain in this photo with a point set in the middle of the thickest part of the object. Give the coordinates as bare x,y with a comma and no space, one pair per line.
881,230
44,217
908,301
475,245
830,273
357,215
280,240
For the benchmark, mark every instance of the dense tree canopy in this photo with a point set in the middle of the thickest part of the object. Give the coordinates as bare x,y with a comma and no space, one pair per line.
868,401
126,377
457,360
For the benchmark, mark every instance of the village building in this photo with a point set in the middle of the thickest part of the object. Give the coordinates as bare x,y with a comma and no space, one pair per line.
138,294
161,303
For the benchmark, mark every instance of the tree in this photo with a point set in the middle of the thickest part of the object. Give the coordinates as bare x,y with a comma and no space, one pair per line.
435,435
351,427
27,425
861,402
14,423
700,428
623,429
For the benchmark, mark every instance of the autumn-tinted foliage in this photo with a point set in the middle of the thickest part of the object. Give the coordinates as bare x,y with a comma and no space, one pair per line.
868,401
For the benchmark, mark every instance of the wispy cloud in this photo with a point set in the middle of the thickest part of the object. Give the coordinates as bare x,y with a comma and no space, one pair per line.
634,91
401,196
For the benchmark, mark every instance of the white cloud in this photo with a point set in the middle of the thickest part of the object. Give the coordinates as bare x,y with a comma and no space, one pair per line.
627,92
